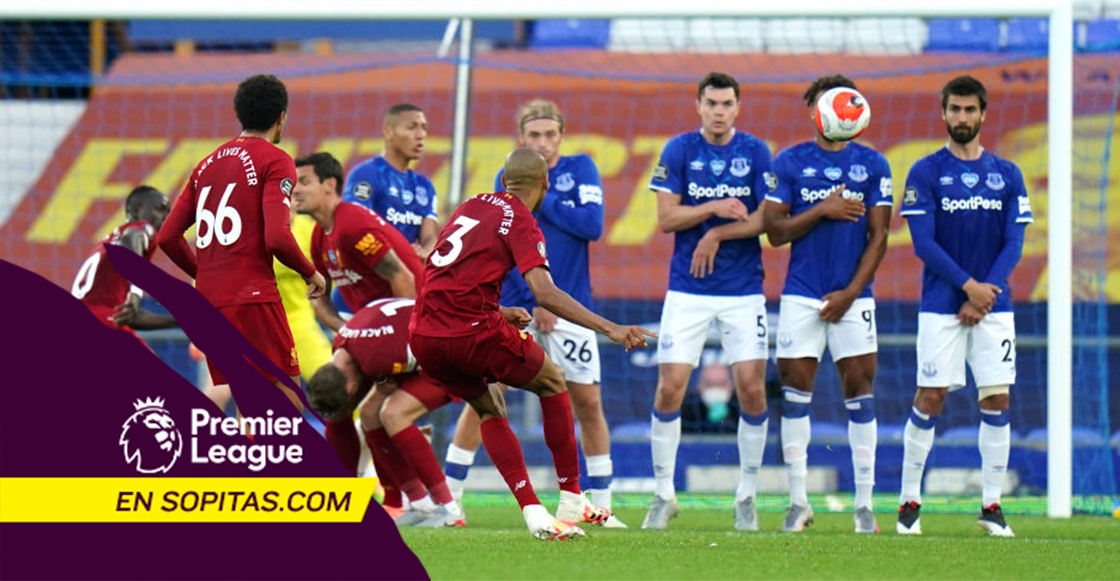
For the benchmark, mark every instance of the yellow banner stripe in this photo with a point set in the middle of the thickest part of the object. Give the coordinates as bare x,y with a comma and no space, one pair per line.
184,499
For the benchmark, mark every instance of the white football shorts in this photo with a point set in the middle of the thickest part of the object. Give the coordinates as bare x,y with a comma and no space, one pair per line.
575,349
944,345
803,333
740,320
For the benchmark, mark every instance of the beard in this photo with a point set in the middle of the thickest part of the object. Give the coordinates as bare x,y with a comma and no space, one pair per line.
963,134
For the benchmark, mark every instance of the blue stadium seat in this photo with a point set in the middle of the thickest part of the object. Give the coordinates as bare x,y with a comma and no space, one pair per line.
1101,36
1028,34
891,432
1080,436
980,34
631,430
257,31
570,33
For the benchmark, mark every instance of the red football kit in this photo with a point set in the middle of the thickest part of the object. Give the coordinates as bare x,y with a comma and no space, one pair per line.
348,253
458,334
98,285
239,196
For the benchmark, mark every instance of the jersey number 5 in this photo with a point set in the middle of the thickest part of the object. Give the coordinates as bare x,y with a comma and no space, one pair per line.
465,225
215,221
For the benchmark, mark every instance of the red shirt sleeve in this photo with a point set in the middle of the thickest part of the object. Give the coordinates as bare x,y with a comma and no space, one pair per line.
317,251
363,235
170,237
526,241
276,204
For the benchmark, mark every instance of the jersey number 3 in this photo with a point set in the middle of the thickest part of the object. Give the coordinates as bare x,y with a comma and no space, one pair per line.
465,225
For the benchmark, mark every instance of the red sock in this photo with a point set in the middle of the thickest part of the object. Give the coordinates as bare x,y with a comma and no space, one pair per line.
505,452
388,460
560,435
343,437
392,493
411,444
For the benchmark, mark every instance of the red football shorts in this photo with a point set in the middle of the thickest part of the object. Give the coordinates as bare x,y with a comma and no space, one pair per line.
467,365
428,391
266,327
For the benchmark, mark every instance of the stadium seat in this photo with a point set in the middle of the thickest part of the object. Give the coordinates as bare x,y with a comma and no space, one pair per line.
570,33
1028,34
631,430
891,432
1100,36
802,35
979,34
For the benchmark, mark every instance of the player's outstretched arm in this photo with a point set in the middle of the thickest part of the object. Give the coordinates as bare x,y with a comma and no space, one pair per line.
564,306
672,216
781,228
838,302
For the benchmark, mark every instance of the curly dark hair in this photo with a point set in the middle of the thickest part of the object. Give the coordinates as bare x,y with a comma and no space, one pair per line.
824,84
259,102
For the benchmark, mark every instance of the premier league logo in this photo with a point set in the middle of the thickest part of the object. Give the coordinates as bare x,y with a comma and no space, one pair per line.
857,173
565,182
833,173
970,179
740,167
718,165
362,190
422,195
149,437
994,181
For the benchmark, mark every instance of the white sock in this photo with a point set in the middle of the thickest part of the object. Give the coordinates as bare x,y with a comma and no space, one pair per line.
917,443
599,472
664,439
995,446
863,439
752,443
456,465
796,430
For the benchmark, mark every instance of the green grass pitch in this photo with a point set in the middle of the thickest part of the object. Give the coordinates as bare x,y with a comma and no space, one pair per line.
702,544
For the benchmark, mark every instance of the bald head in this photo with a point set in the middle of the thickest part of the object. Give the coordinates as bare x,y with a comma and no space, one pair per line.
524,168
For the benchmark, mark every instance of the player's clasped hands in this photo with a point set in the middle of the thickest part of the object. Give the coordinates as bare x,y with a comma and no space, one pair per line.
632,336
835,304
837,207
982,295
969,315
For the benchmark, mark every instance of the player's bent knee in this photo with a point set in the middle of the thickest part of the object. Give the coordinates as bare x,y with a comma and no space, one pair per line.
998,396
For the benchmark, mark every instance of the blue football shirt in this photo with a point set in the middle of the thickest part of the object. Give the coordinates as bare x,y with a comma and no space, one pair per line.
975,204
825,259
403,199
700,172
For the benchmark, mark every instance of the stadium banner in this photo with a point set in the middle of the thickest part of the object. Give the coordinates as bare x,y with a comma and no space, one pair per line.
155,115
107,449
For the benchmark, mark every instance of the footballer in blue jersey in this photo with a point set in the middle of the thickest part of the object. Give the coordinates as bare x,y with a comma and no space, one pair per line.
967,210
833,205
711,186
386,184
570,217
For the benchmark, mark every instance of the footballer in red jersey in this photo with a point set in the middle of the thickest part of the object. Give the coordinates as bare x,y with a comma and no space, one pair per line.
358,251
461,339
240,197
99,286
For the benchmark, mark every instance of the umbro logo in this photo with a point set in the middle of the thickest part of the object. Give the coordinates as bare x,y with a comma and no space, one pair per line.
696,165
809,172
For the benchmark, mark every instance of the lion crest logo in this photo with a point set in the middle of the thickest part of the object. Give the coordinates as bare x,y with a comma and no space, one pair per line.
149,437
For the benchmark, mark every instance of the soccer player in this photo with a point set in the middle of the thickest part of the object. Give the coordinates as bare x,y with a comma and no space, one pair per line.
372,348
461,339
368,260
312,346
833,205
570,217
99,286
240,195
361,254
710,187
967,210
386,185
